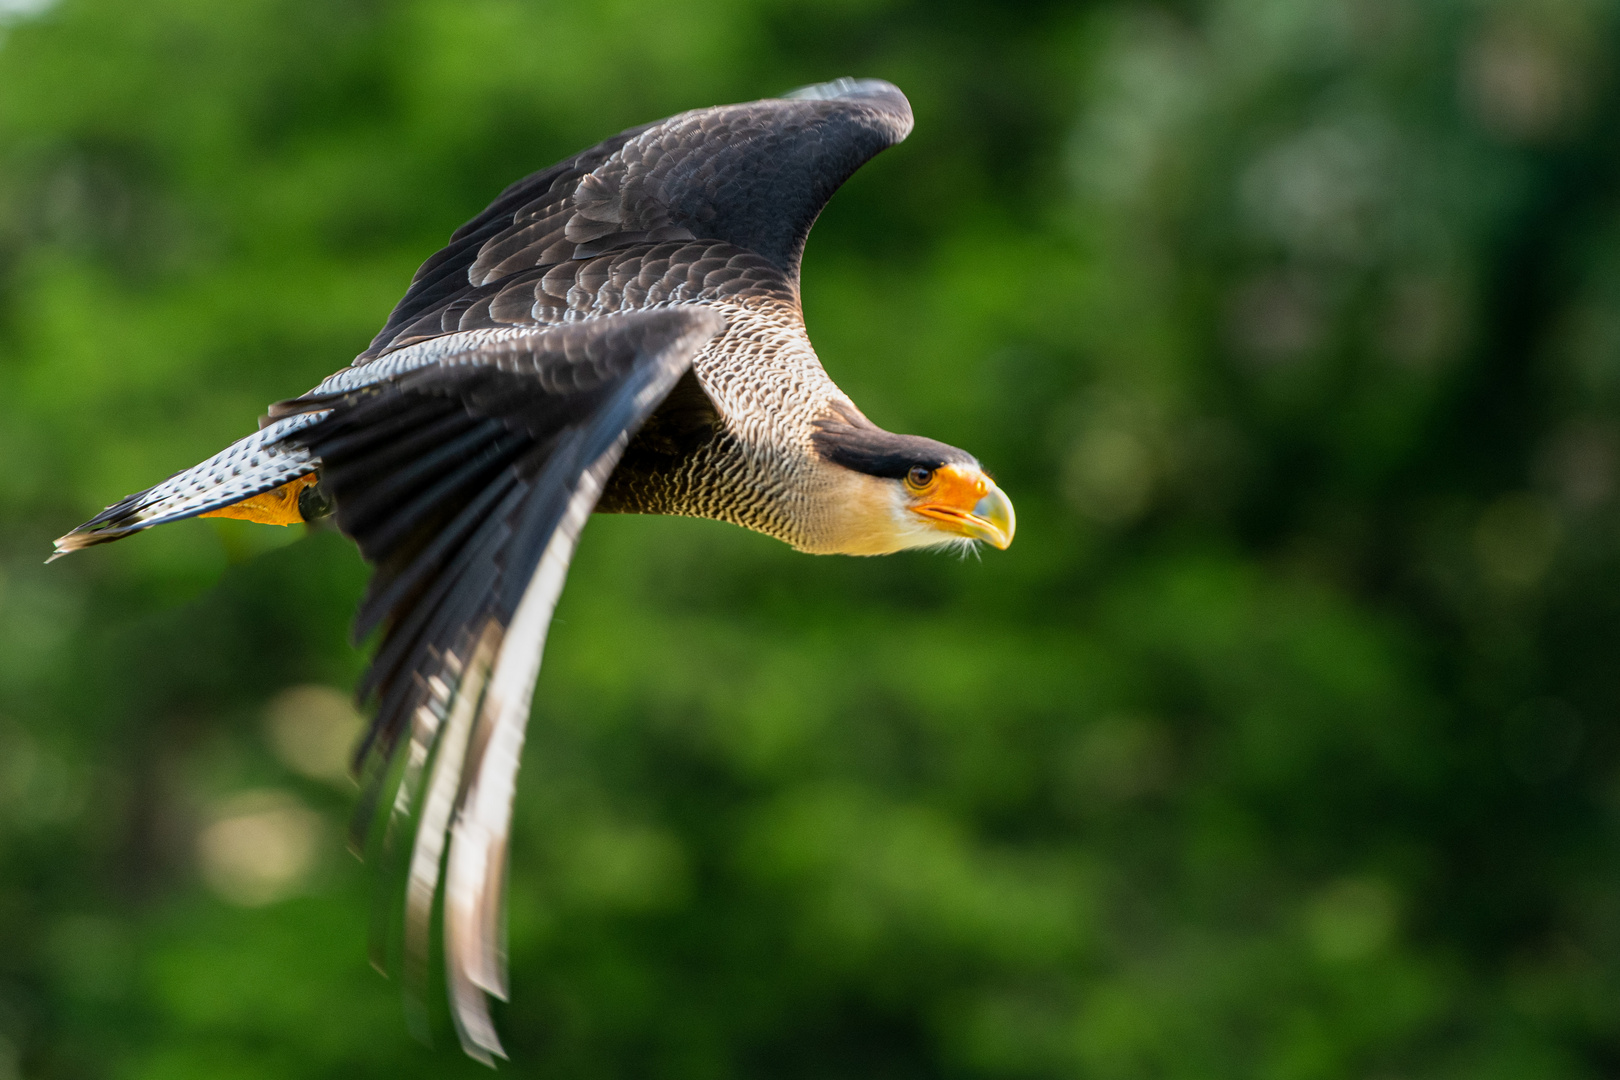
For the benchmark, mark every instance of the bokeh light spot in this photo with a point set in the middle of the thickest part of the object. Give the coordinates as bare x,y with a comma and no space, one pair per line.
1351,919
1516,539
260,848
312,730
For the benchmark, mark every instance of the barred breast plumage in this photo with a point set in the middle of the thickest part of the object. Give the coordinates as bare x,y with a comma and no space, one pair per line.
737,446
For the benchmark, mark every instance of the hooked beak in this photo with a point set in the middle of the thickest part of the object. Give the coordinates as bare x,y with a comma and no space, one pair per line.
967,502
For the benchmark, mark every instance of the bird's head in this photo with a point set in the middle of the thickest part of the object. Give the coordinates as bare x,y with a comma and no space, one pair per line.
894,492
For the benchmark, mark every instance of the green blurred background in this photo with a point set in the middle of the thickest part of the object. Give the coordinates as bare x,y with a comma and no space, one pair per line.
1282,744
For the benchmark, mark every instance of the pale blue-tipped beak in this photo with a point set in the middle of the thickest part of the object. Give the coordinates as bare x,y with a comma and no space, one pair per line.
993,519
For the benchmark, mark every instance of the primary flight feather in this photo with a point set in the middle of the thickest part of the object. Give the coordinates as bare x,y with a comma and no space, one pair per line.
621,333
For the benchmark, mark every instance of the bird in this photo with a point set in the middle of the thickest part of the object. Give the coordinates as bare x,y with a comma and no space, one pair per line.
619,333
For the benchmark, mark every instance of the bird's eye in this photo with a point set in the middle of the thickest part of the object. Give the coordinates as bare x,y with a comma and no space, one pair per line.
919,477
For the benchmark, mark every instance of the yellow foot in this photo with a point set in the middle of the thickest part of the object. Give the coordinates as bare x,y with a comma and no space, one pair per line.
279,506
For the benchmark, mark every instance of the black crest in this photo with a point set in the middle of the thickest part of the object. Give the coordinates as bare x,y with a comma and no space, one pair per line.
845,437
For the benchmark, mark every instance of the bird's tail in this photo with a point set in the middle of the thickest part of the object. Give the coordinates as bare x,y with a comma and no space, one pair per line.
261,478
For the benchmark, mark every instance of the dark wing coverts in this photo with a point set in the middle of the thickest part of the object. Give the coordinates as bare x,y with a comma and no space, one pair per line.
466,466
708,205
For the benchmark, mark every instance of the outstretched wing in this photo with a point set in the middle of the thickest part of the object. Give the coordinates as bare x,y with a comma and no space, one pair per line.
708,205
466,477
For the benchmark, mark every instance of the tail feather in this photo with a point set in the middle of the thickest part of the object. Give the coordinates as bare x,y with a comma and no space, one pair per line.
242,470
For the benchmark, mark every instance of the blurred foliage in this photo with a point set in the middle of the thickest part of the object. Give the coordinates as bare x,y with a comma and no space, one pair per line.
1281,745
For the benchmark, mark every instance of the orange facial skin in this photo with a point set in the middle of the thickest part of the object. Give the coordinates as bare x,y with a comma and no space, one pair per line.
278,506
962,500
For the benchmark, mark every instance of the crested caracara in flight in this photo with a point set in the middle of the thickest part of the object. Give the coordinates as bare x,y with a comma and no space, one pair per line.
621,333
